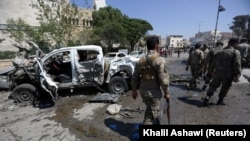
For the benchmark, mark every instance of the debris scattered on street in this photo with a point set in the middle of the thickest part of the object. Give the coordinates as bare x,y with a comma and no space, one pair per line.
106,98
114,109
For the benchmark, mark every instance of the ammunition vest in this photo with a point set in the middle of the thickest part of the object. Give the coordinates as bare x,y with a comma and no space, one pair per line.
147,70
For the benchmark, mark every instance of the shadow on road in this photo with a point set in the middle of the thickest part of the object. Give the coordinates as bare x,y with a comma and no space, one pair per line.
183,86
189,100
130,130
46,101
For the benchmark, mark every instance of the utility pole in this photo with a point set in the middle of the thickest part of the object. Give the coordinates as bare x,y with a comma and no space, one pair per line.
199,32
200,25
220,9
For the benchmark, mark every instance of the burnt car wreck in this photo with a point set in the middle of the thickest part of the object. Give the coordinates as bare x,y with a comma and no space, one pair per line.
68,68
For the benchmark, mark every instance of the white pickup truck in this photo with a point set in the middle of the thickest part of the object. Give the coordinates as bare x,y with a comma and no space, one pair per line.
69,68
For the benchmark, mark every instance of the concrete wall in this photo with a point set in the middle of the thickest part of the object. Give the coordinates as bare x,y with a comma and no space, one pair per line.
14,9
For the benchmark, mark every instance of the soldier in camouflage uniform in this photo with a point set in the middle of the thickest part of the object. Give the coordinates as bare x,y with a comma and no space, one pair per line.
205,50
152,75
243,48
195,61
210,55
226,68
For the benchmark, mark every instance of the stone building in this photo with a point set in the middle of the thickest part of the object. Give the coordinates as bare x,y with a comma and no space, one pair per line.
10,9
15,9
208,37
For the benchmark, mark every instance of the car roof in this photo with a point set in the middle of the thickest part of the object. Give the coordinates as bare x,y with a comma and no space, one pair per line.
85,47
116,53
113,52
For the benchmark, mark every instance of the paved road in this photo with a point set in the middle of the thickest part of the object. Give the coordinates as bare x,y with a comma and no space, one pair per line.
74,118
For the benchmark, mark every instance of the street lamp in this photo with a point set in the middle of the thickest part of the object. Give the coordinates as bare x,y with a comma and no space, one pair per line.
198,34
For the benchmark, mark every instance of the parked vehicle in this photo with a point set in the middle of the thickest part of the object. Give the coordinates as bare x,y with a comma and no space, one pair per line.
137,54
123,50
115,55
69,68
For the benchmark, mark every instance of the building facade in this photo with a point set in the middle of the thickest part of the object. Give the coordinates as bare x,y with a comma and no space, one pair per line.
22,9
209,37
99,4
175,41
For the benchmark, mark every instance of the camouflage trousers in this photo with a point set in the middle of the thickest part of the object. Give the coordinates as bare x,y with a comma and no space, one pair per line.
152,112
220,79
195,71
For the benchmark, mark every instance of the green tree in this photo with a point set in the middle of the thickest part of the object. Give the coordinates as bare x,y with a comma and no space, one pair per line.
239,26
112,27
248,29
110,33
21,31
57,20
106,14
17,29
107,26
135,29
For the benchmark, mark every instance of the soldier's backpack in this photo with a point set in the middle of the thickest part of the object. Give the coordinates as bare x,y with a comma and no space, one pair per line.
147,71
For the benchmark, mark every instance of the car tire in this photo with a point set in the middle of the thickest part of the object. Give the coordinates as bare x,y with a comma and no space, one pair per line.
117,85
24,93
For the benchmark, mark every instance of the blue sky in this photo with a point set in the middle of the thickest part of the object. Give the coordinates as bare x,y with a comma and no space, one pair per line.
180,17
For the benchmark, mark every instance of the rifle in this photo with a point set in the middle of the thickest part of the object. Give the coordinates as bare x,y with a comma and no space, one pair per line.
167,110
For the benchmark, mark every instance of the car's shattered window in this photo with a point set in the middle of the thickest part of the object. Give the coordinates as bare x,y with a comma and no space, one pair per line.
86,55
89,66
59,67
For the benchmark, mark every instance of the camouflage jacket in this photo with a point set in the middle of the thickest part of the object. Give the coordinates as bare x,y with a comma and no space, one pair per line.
196,58
205,51
244,49
159,68
211,53
226,61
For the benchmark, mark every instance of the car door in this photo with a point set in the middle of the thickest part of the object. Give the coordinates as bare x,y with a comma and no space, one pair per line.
46,81
58,65
89,66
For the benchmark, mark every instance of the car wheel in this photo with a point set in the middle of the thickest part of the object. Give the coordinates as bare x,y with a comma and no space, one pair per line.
117,85
24,93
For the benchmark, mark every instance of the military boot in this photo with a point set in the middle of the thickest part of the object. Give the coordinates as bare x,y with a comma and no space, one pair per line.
192,86
220,102
206,101
204,87
188,86
157,121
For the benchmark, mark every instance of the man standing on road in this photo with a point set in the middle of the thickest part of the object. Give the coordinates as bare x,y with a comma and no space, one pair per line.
205,50
210,56
152,75
226,68
195,61
243,47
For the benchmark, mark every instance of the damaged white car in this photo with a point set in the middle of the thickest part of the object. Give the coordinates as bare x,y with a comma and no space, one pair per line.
69,68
